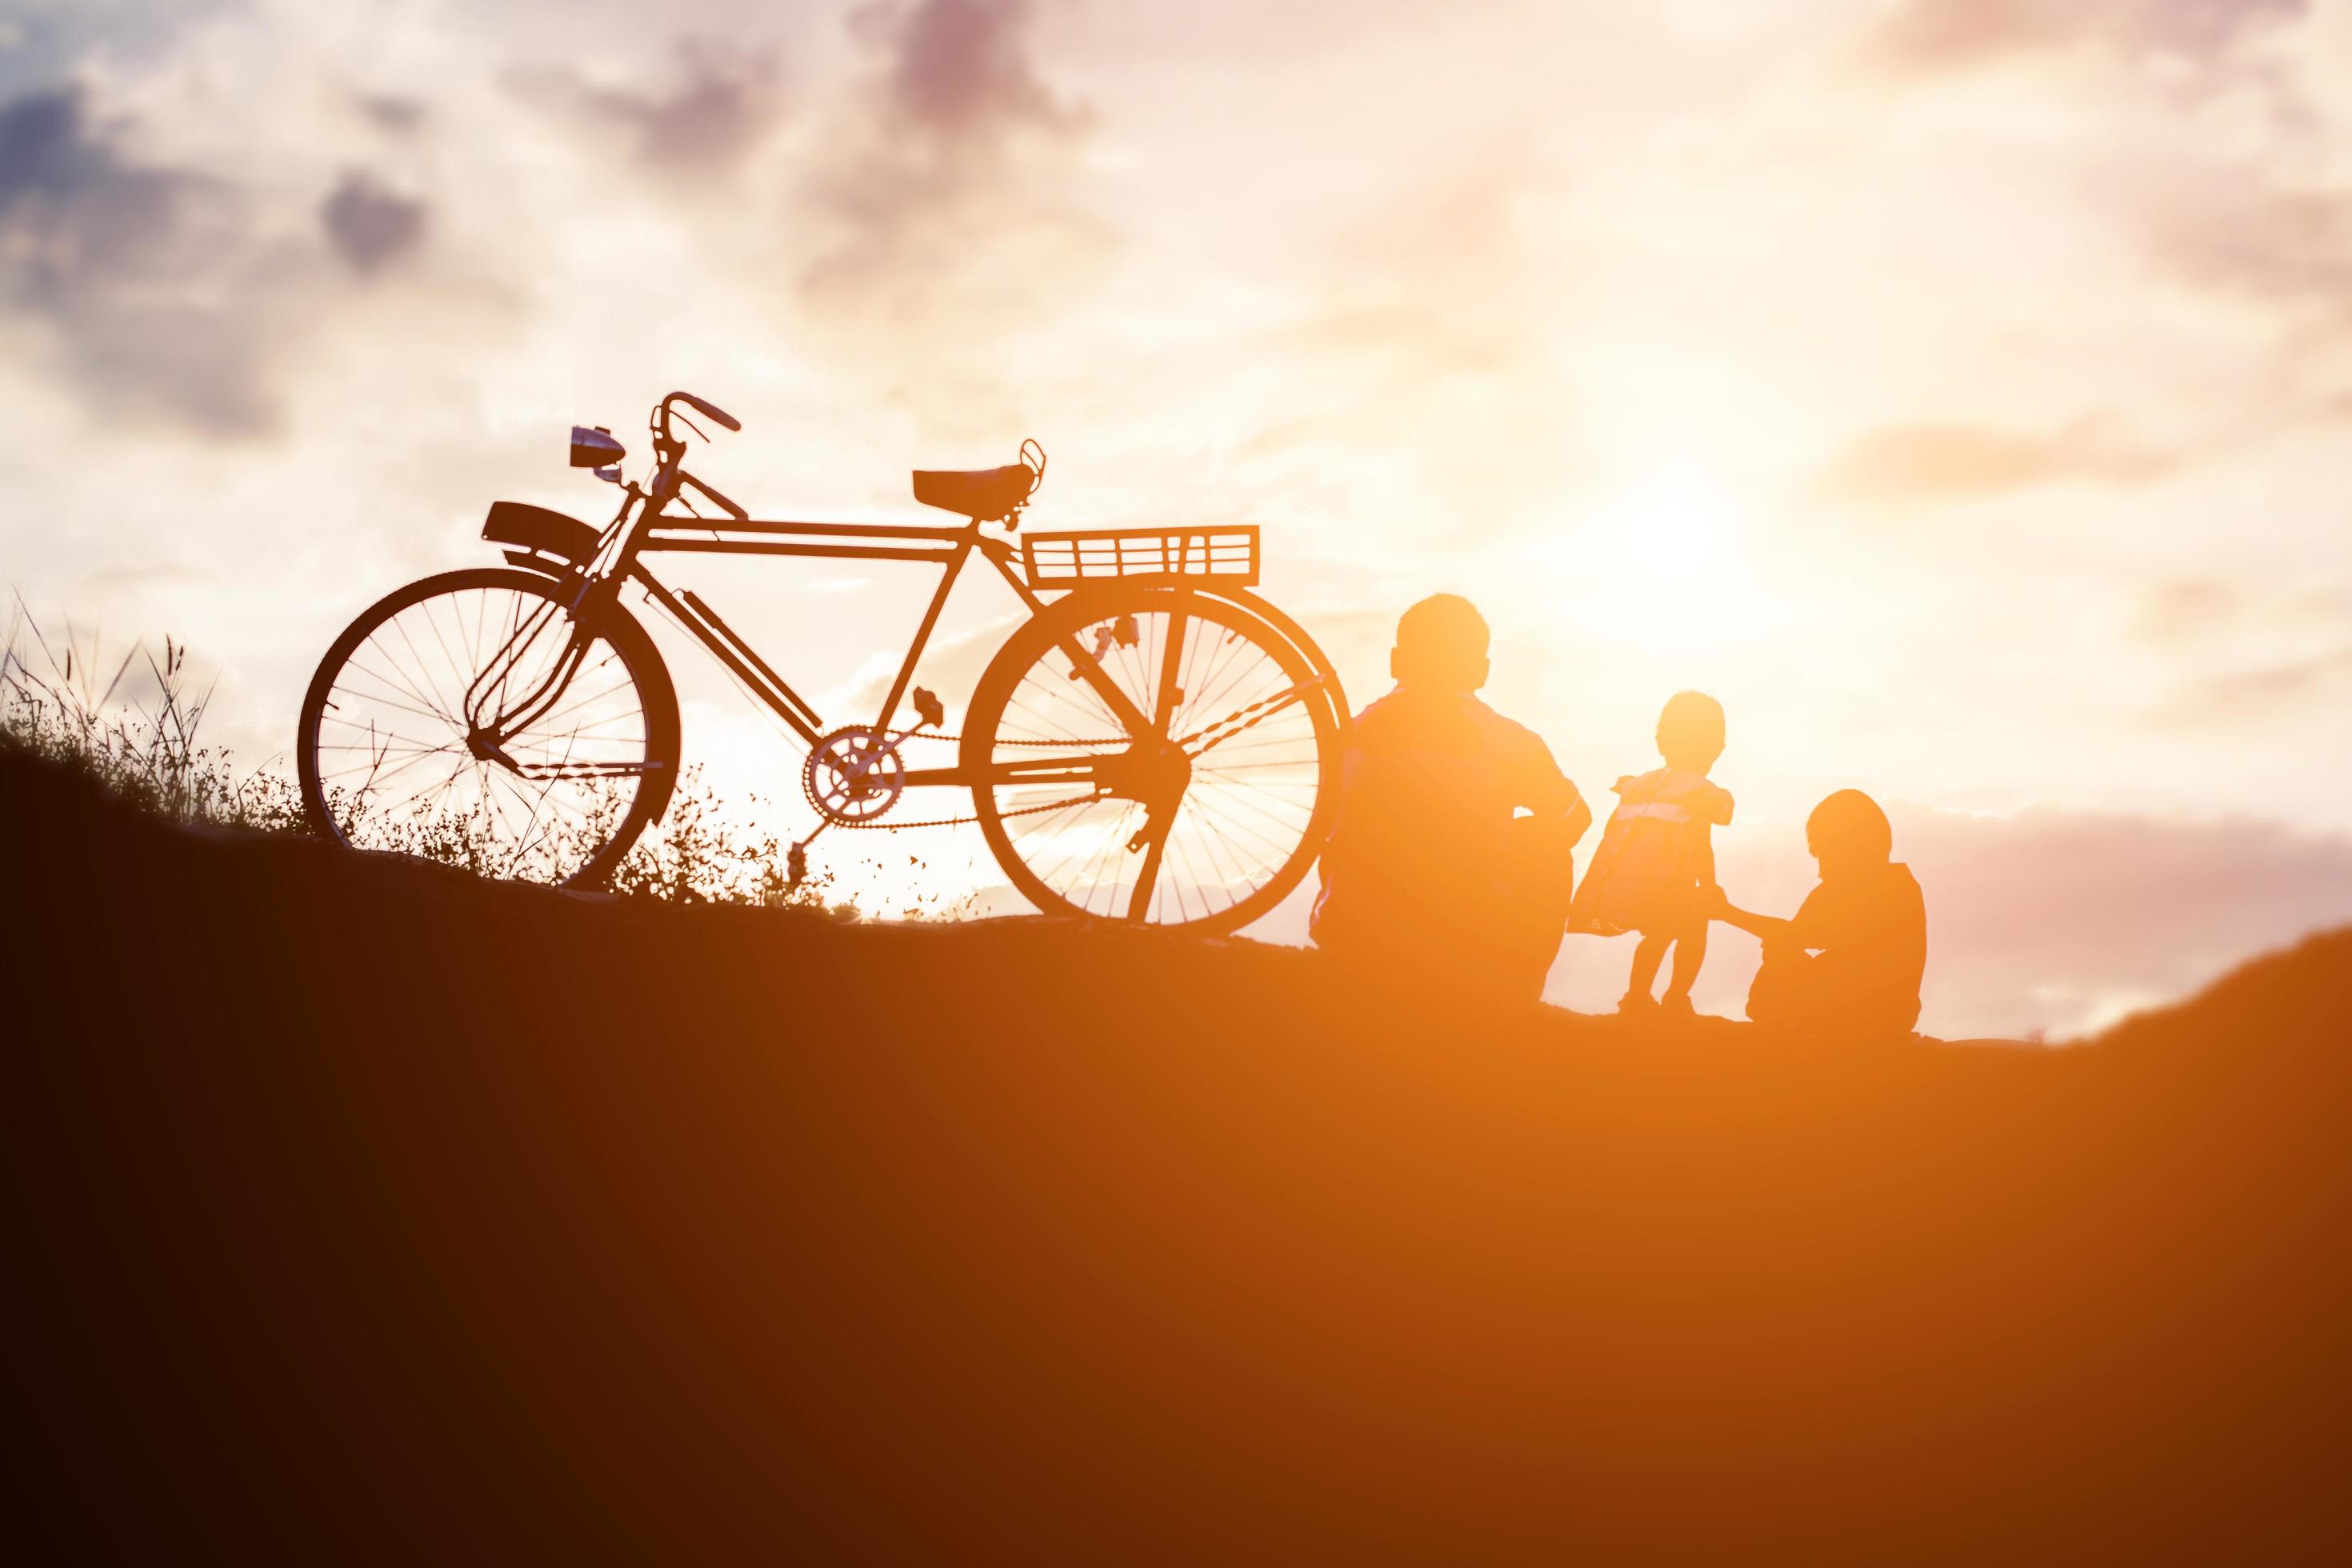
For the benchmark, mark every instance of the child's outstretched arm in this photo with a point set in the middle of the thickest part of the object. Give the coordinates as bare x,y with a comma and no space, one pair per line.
1764,928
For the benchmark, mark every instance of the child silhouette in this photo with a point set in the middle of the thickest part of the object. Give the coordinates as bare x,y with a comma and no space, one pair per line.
1431,870
1851,961
1654,870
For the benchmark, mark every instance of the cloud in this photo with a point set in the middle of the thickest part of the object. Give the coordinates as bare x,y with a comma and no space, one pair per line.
370,227
137,271
1921,37
2314,683
723,104
43,40
392,114
2241,230
954,187
961,69
1900,466
72,205
2186,608
2047,916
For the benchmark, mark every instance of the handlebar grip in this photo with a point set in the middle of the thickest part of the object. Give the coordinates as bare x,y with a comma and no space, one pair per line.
710,411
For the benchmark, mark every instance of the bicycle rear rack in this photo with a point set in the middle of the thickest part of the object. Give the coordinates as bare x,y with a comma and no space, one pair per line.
1168,555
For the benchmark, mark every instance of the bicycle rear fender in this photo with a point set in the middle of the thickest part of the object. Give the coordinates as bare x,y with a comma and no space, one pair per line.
1243,598
1275,620
540,539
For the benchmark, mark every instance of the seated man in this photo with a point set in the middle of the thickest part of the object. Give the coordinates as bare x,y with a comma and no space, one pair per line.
1851,961
1430,870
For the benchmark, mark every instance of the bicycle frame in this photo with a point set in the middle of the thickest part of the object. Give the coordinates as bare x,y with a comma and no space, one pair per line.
620,560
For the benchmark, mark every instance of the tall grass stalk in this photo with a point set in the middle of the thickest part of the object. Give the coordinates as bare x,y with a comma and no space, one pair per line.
131,724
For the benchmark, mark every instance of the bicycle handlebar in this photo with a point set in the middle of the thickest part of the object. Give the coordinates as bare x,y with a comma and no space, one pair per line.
710,411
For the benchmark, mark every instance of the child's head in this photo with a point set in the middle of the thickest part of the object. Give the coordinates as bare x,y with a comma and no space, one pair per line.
1848,832
1690,732
1440,642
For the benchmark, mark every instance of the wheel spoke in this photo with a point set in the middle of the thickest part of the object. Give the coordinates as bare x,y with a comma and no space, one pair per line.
397,772
1255,801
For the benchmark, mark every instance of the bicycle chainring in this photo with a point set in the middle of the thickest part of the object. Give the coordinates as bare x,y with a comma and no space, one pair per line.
853,775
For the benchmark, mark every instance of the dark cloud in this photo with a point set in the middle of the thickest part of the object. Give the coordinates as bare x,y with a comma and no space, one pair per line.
960,149
370,227
2034,918
43,42
961,68
130,265
70,205
1901,466
1931,36
395,115
723,104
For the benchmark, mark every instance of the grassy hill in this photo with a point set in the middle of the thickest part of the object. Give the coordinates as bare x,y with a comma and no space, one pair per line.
358,1209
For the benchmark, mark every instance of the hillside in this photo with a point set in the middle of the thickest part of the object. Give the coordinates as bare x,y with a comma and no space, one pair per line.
357,1208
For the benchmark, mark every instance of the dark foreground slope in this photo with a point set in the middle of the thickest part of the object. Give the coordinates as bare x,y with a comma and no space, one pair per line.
355,1209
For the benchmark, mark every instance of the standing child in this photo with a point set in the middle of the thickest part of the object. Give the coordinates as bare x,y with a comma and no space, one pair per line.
1654,870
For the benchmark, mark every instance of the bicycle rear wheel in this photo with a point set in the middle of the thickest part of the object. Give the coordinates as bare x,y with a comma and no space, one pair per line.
394,754
1089,815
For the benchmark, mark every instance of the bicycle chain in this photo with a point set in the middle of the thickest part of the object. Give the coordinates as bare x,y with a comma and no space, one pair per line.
1215,734
884,824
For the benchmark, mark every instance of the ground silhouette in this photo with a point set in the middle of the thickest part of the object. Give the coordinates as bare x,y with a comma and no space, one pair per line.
358,1209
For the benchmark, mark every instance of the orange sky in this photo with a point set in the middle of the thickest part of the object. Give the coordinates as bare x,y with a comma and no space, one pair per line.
1958,390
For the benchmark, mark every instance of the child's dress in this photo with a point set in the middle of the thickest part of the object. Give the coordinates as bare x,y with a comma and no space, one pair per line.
1653,855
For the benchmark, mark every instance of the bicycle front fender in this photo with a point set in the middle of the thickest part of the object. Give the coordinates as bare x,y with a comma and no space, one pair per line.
539,539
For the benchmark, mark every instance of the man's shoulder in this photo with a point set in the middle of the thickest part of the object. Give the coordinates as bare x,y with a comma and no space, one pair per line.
1503,733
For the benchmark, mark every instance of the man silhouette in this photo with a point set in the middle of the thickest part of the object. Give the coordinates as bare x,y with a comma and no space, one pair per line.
1430,870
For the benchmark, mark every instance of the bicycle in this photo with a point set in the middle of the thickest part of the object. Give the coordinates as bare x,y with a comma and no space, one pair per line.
1155,743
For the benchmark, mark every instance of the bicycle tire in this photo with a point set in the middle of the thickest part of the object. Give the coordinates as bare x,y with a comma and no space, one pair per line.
1294,809
647,678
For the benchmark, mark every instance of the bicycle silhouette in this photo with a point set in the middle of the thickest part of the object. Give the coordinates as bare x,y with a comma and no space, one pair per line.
1155,742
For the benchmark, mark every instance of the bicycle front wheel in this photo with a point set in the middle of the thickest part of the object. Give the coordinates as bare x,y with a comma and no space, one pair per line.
1196,798
472,719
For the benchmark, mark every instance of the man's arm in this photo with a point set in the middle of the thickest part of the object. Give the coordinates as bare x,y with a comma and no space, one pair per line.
1550,793
1579,821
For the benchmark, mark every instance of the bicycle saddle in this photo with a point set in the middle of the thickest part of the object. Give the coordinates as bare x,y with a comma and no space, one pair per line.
981,493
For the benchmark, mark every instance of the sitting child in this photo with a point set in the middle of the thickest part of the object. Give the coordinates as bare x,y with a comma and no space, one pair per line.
1655,871
1851,961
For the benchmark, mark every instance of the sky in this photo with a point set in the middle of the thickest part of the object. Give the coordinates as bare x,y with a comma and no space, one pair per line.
1959,390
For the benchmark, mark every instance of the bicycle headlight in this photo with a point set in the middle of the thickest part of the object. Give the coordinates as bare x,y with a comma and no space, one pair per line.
595,450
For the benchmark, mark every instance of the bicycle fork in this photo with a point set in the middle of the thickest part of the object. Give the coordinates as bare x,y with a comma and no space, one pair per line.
487,731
